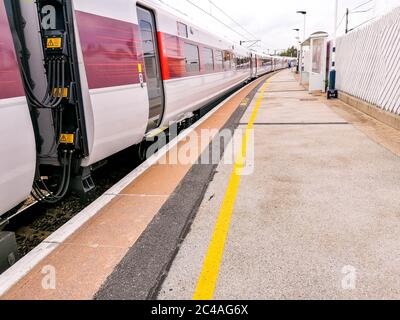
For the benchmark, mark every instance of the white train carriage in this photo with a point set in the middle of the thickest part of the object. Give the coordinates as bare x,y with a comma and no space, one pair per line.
143,67
264,64
105,74
17,143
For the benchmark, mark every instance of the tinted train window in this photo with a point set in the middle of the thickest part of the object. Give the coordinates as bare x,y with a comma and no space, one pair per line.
219,61
227,61
233,61
148,44
192,58
208,60
267,62
243,62
182,30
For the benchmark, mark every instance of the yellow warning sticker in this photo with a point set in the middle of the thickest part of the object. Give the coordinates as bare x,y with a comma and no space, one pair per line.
54,43
58,92
140,67
66,138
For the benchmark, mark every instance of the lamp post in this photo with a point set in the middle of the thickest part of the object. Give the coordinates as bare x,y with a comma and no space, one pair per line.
298,48
304,13
335,25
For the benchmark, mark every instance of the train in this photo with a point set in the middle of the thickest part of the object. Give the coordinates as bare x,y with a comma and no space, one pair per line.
82,80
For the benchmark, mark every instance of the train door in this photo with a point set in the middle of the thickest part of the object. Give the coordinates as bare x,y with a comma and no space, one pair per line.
255,66
153,74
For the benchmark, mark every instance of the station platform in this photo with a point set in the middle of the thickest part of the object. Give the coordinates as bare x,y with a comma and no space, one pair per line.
308,209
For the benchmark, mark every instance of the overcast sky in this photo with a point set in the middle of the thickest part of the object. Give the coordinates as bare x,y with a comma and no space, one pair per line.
273,21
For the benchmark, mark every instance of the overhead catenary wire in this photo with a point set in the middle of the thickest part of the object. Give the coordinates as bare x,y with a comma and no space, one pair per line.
220,21
240,34
254,37
186,15
362,11
341,21
171,7
233,20
356,11
361,5
365,22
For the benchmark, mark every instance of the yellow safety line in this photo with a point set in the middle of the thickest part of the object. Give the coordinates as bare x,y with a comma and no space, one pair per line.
209,274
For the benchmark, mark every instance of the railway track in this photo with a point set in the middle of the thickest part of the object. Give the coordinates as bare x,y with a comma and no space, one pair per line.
36,222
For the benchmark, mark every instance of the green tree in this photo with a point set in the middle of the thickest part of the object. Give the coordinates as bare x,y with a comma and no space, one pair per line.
290,52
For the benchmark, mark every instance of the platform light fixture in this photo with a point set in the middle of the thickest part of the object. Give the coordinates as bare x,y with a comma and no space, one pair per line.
298,48
304,13
298,33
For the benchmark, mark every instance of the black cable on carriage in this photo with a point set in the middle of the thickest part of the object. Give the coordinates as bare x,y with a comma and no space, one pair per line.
31,96
56,85
56,82
49,72
60,89
61,184
40,190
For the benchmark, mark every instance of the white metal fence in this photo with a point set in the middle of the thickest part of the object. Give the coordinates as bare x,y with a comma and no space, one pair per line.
368,63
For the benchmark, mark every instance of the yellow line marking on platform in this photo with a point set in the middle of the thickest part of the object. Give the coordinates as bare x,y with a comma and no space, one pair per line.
212,263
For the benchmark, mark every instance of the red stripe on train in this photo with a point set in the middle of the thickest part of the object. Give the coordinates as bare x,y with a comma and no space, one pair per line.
10,79
163,57
111,50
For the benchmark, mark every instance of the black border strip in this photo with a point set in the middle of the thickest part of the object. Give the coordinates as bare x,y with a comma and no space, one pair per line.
141,273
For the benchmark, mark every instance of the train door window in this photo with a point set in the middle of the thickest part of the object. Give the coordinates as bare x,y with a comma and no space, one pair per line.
208,60
248,59
227,61
148,46
265,62
192,58
219,61
182,30
243,63
239,63
233,62
152,66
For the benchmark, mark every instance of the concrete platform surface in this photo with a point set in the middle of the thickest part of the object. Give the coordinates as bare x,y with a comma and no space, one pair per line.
318,219
317,216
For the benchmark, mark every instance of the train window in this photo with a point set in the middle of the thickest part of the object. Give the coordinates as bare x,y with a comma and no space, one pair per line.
243,63
219,61
148,43
182,30
208,60
192,58
233,62
227,61
266,62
